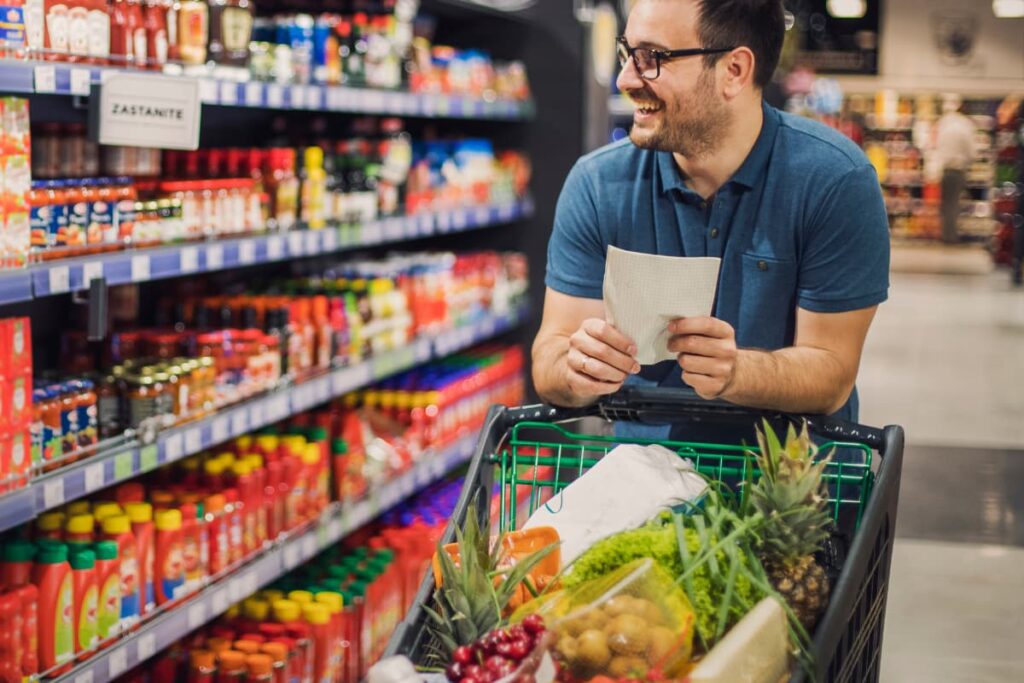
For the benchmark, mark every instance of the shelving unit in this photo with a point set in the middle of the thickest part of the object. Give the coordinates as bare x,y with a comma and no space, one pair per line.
278,558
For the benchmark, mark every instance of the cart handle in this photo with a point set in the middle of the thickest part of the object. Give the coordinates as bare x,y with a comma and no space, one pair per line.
658,405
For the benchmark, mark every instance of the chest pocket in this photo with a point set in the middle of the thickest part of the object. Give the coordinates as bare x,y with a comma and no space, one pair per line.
767,306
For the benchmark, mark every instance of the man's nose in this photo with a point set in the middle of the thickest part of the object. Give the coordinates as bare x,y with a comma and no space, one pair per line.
629,77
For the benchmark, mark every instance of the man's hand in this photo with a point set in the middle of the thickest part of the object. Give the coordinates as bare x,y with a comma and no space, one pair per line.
599,360
707,353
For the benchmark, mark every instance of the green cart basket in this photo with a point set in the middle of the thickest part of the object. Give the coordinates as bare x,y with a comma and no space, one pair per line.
863,483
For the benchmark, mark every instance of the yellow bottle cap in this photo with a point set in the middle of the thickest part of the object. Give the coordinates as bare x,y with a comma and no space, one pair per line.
286,610
244,443
295,442
272,595
80,524
334,601
50,521
168,520
139,513
214,467
103,510
241,469
79,507
267,442
233,612
226,459
257,610
254,461
117,524
316,614
301,597
191,464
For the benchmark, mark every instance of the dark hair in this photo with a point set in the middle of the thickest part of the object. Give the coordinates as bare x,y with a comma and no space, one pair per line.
757,24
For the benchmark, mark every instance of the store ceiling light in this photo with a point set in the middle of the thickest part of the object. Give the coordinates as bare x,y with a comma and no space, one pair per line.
849,9
1008,9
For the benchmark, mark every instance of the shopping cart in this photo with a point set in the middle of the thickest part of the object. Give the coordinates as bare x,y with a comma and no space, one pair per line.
534,449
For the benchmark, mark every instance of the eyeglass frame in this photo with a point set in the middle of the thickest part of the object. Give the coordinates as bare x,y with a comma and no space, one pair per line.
661,55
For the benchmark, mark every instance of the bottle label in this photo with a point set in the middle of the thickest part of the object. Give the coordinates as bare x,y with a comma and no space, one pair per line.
78,224
87,619
88,425
190,558
172,575
158,50
78,31
69,429
57,27
40,218
129,582
109,614
139,48
236,28
99,34
34,18
124,218
101,222
64,622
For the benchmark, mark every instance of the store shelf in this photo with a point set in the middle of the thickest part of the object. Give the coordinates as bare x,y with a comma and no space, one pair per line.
71,79
136,457
281,557
144,265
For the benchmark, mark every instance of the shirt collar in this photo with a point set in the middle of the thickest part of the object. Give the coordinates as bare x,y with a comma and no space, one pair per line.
749,172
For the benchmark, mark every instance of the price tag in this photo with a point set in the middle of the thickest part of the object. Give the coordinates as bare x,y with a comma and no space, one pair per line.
46,79
295,244
330,240
124,465
92,270
373,233
220,430
219,601
196,615
93,477
84,677
188,260
313,99
140,268
254,94
246,252
482,215
228,93
506,212
215,257
60,280
148,458
117,662
296,95
444,222
487,327
313,242
194,440
239,422
172,447
275,248
275,96
392,229
146,646
291,556
426,224
309,546
459,219
53,493
208,91
335,99
81,82
256,415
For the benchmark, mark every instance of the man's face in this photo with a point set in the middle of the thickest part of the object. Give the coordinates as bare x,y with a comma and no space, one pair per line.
681,110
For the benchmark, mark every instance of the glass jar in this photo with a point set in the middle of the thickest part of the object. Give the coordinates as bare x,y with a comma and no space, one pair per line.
143,402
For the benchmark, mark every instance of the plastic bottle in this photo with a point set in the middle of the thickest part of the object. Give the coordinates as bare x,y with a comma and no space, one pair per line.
141,515
108,580
190,549
52,576
130,492
319,619
101,511
80,529
118,529
83,574
168,564
218,552
246,647
10,638
231,667
289,614
260,504
16,564
242,480
313,188
278,654
28,596
260,668
233,518
335,604
202,667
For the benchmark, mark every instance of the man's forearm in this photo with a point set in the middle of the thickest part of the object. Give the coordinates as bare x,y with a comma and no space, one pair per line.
549,373
795,380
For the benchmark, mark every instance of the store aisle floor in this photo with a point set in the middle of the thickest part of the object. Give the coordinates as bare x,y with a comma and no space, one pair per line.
945,358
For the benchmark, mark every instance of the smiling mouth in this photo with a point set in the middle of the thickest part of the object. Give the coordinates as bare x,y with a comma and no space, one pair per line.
647,108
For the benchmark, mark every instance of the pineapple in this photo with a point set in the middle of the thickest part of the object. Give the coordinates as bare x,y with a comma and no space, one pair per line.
474,591
791,497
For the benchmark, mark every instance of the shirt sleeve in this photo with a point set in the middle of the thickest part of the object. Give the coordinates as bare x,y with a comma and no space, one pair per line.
576,250
845,261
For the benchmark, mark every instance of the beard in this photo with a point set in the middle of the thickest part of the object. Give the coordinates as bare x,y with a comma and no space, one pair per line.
692,125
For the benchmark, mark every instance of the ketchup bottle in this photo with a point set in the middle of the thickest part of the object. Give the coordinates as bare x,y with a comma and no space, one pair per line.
52,576
168,565
83,574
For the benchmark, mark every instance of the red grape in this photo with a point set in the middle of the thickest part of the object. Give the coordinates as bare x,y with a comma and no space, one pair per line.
520,649
534,624
463,655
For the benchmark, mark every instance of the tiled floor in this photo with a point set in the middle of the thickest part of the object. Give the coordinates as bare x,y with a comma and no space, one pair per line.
945,358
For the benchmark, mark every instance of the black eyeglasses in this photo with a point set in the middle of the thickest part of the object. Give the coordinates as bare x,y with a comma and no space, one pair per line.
648,61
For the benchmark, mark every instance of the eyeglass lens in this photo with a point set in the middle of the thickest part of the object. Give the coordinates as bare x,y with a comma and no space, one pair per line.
644,60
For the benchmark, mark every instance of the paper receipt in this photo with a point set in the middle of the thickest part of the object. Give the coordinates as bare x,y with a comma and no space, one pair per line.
643,293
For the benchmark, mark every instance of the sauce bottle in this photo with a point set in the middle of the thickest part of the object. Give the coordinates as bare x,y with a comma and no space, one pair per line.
289,614
335,604
217,533
233,519
130,492
260,503
155,23
169,566
283,187
28,595
141,516
231,667
16,564
260,668
83,575
118,529
278,654
52,576
243,482
68,420
190,549
80,530
319,619
51,443
230,32
193,31
101,511
202,667
108,580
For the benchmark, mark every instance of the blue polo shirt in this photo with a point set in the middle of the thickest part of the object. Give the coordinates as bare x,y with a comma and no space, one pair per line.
801,223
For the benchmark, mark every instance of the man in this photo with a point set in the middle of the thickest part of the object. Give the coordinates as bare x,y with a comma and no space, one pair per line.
954,152
793,209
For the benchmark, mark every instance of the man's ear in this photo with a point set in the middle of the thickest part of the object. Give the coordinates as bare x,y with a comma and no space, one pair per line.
737,71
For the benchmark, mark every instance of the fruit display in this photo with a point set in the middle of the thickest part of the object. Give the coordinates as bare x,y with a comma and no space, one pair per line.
647,603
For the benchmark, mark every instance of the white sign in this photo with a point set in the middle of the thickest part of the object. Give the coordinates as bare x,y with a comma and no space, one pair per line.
149,111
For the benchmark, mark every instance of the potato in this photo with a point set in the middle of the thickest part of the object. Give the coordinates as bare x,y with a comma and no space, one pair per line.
628,634
620,604
592,650
568,648
663,642
584,621
622,667
649,611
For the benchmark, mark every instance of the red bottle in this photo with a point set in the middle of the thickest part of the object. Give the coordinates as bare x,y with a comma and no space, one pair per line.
202,667
155,24
16,564
218,551
168,564
191,549
83,575
28,596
